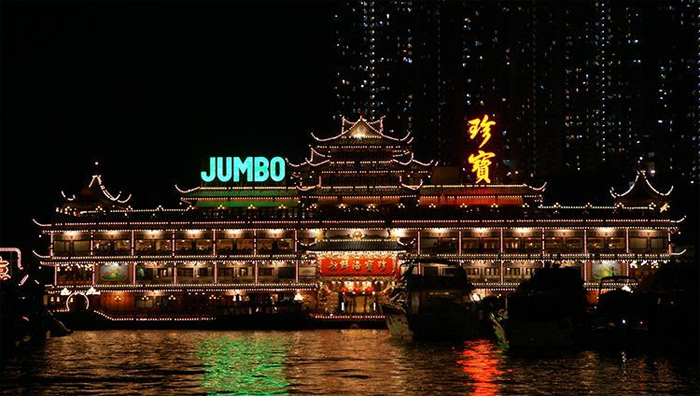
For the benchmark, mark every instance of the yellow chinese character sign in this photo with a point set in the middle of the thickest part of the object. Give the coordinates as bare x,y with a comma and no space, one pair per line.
480,165
481,125
481,161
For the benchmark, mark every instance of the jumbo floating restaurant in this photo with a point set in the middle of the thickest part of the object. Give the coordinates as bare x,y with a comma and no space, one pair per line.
332,234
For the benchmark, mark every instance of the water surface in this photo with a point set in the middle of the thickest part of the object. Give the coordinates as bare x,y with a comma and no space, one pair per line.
357,362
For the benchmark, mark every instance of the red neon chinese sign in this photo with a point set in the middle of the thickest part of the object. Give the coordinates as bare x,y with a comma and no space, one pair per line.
356,266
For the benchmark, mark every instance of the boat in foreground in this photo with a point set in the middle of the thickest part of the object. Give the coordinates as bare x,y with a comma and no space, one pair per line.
435,303
548,310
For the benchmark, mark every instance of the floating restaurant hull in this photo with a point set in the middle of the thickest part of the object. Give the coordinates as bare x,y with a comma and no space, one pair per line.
331,237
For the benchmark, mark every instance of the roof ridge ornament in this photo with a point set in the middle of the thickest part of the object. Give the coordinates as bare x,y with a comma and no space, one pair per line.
372,125
640,173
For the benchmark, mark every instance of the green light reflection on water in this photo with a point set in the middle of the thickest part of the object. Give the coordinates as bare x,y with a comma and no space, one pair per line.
244,364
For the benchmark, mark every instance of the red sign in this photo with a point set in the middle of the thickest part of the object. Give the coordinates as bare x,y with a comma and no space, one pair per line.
4,269
355,266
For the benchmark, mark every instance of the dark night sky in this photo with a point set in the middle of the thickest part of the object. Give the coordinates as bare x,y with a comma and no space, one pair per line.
149,89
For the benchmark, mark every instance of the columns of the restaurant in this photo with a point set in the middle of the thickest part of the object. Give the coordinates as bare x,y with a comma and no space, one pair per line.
296,257
586,261
459,242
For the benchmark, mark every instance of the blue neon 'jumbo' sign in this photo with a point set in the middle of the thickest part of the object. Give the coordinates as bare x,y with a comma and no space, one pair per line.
255,169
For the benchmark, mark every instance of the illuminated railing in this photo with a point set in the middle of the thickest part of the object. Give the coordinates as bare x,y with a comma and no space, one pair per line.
358,317
154,319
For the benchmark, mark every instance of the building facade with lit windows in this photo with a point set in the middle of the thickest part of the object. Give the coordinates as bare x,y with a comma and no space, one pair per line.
330,234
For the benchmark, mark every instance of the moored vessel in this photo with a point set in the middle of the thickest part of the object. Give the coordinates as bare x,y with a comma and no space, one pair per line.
547,310
433,300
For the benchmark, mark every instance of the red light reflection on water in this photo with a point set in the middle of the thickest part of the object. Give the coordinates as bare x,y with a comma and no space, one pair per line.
479,361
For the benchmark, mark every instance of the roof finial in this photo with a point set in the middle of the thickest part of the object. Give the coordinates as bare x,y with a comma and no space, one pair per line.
97,169
362,111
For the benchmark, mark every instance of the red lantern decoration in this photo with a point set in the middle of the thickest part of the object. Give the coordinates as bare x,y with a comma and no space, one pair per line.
344,289
369,290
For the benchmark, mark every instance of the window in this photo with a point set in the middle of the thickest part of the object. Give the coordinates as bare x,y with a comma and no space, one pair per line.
473,271
448,245
574,244
492,271
224,246
184,245
102,246
244,245
512,271
533,244
81,247
144,273
164,272
511,243
203,272
243,272
264,245
493,244
658,243
616,244
122,246
265,271
470,244
144,245
204,246
61,248
595,244
638,244
163,246
185,272
429,245
286,272
285,245
529,271
554,244
226,272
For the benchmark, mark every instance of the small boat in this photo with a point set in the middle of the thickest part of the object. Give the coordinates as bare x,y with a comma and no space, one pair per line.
619,318
434,304
547,310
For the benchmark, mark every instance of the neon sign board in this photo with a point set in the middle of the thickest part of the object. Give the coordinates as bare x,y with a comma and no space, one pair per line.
364,266
481,161
254,169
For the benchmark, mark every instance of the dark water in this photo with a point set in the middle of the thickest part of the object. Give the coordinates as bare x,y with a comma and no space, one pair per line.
357,362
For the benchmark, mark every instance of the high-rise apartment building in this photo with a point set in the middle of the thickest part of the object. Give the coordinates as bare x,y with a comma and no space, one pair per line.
573,86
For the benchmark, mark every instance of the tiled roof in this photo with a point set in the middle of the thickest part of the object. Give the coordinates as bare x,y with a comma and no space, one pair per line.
479,190
242,192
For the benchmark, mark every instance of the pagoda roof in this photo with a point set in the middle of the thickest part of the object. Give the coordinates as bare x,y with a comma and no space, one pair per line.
480,189
369,190
641,191
358,190
226,192
361,131
331,245
93,195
